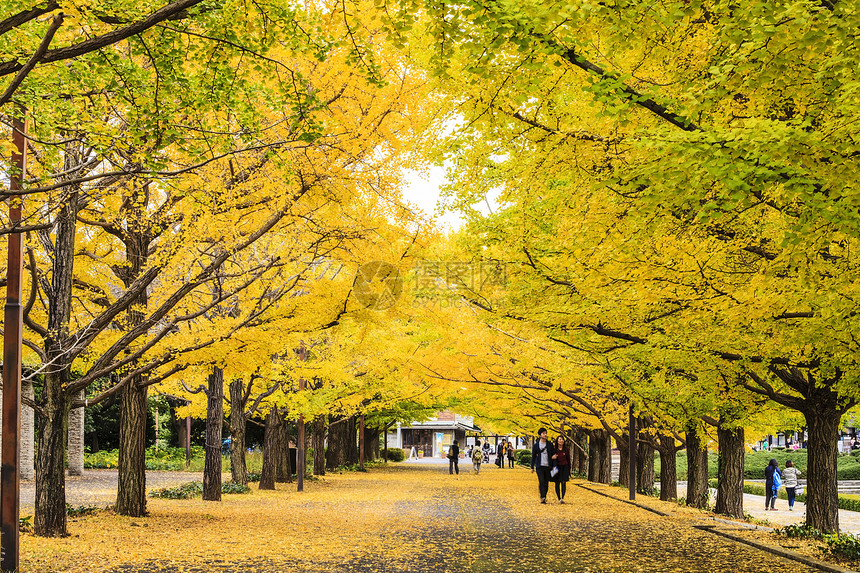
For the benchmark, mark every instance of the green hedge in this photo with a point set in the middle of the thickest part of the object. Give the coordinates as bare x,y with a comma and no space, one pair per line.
523,457
396,455
171,459
847,466
847,502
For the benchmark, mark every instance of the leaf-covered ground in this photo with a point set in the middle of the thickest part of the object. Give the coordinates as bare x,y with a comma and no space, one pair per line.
397,519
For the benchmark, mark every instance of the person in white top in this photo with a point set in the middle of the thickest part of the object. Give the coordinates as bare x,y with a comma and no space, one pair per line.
789,480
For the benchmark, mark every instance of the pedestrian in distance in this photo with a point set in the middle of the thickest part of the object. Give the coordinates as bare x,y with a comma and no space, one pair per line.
543,460
511,454
773,481
477,457
454,458
562,468
789,480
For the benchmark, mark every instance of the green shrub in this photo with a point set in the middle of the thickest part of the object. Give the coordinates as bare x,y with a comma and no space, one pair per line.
184,491
234,487
396,455
844,546
800,530
523,457
254,476
81,510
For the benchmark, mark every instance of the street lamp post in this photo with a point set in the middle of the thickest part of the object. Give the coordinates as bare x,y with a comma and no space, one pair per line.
12,336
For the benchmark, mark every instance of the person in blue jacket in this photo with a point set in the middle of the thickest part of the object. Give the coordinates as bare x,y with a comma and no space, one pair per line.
772,475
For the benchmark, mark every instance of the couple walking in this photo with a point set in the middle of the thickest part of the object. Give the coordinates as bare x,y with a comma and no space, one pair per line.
551,462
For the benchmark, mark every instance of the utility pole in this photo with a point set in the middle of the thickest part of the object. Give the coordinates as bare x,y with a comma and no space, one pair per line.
301,456
13,324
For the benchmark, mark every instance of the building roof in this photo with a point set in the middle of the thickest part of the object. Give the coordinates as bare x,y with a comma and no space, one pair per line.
459,424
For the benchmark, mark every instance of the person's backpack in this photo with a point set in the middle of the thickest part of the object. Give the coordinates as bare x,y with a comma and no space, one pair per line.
477,455
777,479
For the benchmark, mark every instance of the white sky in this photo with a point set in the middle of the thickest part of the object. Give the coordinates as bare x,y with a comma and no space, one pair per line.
423,191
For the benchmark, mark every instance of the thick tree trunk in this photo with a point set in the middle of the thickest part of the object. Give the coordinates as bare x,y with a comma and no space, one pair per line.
131,484
50,519
28,434
214,423
270,449
238,467
593,457
283,470
76,439
582,451
624,460
822,500
339,438
730,478
352,440
371,444
604,457
645,466
697,467
668,469
318,439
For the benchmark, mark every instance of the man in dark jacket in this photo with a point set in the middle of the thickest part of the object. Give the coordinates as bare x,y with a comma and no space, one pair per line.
542,462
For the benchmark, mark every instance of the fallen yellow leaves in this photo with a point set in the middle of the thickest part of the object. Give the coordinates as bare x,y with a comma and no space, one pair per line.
402,518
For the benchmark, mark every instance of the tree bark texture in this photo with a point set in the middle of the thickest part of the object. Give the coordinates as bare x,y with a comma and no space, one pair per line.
645,466
238,467
318,440
730,472
341,443
27,471
668,469
822,501
371,444
283,470
604,455
624,461
50,513
131,484
76,439
270,449
697,467
593,461
50,518
582,452
214,423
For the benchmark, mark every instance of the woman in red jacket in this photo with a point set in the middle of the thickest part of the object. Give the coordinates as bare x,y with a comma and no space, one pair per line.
562,462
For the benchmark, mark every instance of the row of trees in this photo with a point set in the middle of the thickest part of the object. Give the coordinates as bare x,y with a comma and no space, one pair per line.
676,212
674,231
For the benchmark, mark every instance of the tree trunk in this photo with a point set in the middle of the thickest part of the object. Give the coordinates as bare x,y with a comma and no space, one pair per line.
371,444
270,449
668,469
582,451
624,461
822,500
730,472
593,462
644,466
697,467
28,434
338,451
238,467
318,438
604,457
283,471
214,423
50,519
76,439
131,484
351,440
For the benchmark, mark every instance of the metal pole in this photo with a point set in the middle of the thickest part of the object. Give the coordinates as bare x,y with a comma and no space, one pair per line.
301,456
13,324
631,455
